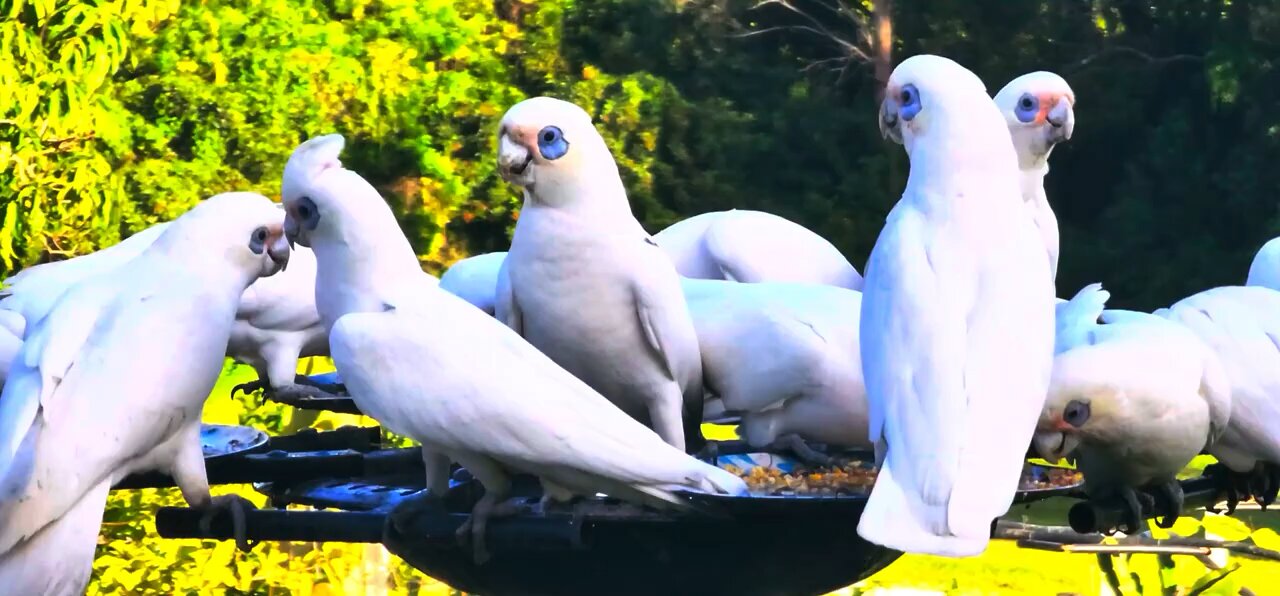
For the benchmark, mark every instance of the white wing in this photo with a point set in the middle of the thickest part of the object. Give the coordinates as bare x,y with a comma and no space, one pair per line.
1265,269
97,387
481,389
475,279
33,291
1242,325
752,246
951,400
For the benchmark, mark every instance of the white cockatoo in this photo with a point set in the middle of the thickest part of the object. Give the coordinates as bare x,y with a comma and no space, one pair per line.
95,393
1038,108
427,365
1265,269
275,324
784,357
753,246
957,320
587,285
475,279
1242,325
1135,400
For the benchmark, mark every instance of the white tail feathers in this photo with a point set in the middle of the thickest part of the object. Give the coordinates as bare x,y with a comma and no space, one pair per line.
58,559
895,520
717,480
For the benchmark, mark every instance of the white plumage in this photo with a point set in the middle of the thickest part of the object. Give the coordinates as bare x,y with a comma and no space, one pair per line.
276,322
785,357
957,320
1038,108
587,285
753,246
427,365
1242,325
1136,399
95,393
1265,269
32,291
475,279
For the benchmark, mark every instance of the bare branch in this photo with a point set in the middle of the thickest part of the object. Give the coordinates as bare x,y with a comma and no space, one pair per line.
1064,539
1132,52
816,27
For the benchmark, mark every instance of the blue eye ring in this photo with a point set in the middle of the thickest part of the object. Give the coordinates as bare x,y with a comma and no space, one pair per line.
551,143
1027,108
909,102
1076,413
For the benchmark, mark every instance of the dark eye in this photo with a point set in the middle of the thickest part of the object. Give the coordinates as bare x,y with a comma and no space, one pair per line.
1028,108
258,241
304,208
551,143
1076,413
910,100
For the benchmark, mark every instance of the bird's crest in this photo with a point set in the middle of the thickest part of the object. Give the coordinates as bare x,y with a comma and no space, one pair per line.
315,156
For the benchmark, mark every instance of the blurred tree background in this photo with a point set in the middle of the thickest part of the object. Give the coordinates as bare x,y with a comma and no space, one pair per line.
117,114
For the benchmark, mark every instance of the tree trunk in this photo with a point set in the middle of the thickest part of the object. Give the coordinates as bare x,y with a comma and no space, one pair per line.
882,22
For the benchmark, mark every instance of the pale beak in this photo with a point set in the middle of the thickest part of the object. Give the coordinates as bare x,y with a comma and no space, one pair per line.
1055,445
514,160
291,230
1062,119
279,252
889,120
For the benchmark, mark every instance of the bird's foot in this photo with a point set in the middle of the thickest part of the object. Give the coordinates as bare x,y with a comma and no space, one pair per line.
1232,486
473,530
251,387
802,450
1135,503
1264,484
413,507
1169,501
710,451
548,505
236,506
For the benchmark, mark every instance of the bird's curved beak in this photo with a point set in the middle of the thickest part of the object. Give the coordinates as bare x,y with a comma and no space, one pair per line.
292,231
1061,120
1055,445
515,161
889,121
278,250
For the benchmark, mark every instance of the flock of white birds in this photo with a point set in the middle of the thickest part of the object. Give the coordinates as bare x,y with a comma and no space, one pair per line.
591,352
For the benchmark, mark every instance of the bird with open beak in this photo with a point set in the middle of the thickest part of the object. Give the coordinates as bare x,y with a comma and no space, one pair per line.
585,283
1039,109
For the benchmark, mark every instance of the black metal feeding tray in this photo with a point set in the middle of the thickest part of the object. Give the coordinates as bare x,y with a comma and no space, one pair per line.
760,544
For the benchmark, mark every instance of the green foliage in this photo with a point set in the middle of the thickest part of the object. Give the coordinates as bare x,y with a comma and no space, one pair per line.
115,114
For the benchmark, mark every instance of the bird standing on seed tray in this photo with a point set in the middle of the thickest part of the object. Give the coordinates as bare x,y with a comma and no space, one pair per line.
1242,325
95,393
585,284
957,320
429,366
1135,399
